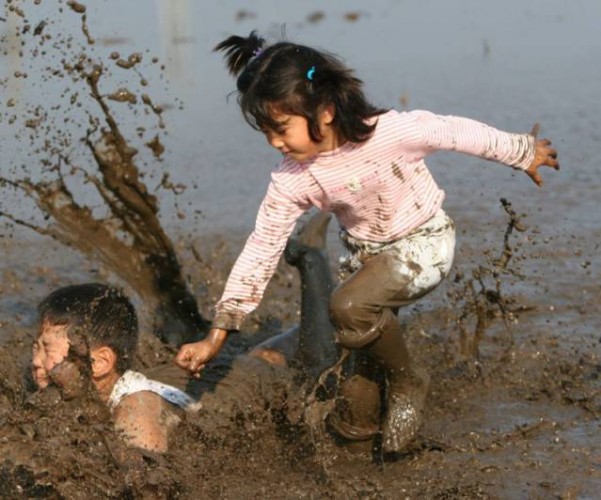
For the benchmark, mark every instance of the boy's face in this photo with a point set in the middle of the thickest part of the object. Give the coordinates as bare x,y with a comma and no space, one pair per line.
49,349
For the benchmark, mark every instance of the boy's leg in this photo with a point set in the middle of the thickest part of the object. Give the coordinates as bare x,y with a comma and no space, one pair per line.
312,344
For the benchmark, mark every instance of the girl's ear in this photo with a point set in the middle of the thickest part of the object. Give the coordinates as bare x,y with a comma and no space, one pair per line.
104,361
327,115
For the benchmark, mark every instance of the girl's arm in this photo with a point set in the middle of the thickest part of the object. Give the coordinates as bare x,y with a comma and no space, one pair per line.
454,133
249,276
257,262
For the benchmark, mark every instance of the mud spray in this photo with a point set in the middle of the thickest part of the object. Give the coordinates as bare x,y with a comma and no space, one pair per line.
505,393
123,231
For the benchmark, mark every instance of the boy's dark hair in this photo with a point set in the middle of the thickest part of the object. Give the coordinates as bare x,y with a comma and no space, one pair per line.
102,314
297,80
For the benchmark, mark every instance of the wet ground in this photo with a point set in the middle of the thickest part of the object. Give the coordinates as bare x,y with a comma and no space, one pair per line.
520,420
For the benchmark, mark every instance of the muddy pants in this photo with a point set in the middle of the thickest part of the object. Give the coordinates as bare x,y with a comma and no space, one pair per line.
391,275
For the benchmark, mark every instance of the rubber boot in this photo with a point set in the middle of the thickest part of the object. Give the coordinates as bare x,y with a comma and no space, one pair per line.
406,388
357,411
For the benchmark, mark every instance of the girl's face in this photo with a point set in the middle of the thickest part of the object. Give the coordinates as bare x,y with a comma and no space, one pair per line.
49,349
292,136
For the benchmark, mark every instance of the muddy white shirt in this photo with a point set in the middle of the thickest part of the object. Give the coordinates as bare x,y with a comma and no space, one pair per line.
132,382
379,190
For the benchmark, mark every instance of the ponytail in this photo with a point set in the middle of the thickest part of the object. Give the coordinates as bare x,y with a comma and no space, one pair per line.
240,50
297,80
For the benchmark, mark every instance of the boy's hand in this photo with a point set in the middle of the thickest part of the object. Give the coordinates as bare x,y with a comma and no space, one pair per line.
69,379
193,357
544,154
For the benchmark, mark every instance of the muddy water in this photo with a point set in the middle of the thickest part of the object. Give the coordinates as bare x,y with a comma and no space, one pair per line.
522,421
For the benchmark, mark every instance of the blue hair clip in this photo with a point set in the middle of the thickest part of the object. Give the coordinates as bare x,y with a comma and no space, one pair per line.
310,73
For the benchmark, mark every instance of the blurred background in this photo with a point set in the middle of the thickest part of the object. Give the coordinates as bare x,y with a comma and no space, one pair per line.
509,64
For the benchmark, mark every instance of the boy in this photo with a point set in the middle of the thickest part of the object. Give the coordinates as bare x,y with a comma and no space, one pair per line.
91,330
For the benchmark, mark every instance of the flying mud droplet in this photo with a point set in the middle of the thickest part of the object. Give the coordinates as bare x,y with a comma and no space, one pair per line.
76,7
156,147
123,95
157,110
131,61
39,28
316,17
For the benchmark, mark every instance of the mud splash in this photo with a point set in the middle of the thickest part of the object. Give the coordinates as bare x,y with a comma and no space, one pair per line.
521,419
503,430
125,235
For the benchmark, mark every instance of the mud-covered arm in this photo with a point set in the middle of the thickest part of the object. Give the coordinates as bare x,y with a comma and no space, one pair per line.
454,133
141,418
256,264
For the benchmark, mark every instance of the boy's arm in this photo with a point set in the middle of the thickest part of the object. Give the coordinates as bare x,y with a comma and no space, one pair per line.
141,419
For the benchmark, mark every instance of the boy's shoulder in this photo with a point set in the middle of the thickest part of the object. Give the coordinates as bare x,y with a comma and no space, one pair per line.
133,382
142,403
145,419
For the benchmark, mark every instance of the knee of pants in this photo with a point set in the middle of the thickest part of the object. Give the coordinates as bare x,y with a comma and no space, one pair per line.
356,324
357,339
343,309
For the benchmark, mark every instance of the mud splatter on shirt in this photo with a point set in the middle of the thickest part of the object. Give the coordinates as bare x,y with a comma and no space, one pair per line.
379,190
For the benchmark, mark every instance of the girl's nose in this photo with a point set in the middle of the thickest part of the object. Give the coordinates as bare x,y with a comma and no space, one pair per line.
274,140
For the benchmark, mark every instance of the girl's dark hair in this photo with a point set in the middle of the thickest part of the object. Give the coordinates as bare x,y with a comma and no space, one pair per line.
103,315
297,80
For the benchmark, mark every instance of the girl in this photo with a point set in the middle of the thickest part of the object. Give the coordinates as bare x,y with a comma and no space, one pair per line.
343,155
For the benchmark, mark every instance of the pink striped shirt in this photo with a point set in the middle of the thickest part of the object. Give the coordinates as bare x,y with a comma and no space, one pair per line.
379,191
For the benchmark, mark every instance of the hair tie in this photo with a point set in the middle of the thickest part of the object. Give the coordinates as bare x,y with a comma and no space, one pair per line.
258,52
310,73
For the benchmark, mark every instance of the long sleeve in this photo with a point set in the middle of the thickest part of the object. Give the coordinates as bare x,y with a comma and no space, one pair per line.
453,133
257,262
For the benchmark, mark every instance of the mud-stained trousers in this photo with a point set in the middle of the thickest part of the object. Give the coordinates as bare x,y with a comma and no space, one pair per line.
364,311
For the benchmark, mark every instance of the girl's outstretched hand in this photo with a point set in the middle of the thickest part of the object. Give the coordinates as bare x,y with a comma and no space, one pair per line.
193,357
544,154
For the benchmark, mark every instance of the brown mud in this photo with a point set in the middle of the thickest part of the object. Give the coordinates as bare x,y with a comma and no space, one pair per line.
519,420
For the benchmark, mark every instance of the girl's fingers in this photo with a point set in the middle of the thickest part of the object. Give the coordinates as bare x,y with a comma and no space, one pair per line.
195,365
534,175
535,130
182,362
